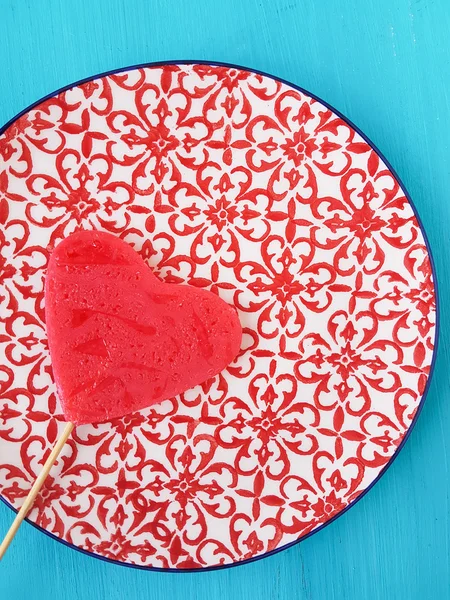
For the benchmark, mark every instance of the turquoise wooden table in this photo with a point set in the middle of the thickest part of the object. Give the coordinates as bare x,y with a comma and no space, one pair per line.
386,65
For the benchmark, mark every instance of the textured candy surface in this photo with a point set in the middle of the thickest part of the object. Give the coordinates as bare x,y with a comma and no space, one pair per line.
120,339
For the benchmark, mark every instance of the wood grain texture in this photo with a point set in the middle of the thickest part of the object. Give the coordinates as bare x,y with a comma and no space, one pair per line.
386,65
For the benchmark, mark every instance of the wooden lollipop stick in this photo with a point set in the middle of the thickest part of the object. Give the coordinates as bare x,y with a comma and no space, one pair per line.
35,489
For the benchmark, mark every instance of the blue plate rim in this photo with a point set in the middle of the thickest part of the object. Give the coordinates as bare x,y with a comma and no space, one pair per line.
433,270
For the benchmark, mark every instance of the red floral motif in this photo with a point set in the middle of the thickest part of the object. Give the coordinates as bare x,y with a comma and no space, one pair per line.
193,487
284,284
82,196
299,147
237,183
353,361
266,427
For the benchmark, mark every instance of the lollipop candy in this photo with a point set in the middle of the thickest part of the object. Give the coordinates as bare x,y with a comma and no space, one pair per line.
120,339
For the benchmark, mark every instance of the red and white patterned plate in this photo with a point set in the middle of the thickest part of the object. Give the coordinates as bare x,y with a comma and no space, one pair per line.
243,184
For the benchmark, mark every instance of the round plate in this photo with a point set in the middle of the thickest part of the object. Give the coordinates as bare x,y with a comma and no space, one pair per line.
243,184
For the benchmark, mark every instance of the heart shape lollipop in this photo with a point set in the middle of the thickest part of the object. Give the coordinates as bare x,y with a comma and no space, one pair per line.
120,339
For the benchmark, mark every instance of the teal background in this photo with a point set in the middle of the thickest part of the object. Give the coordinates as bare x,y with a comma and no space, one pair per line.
386,65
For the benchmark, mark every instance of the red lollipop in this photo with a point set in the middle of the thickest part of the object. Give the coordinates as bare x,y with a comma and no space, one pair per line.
120,339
